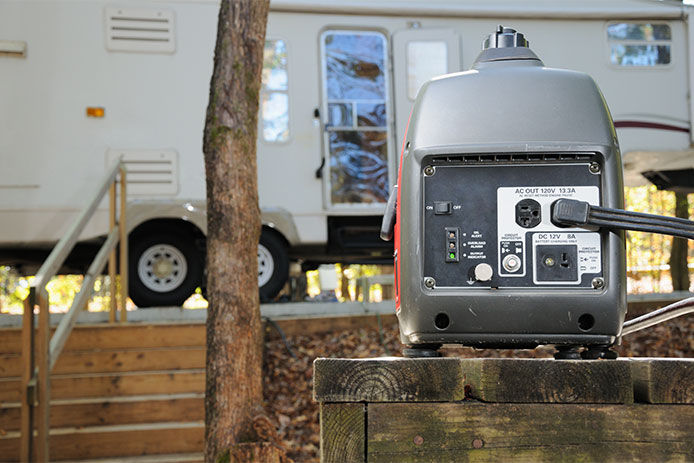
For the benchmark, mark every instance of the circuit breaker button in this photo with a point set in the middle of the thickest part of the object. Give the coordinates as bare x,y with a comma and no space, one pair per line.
442,207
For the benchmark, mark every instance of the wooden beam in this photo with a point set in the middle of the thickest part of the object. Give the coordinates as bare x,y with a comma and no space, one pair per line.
114,384
491,380
112,255
342,431
115,411
124,441
310,325
663,381
89,337
453,432
26,369
112,361
43,362
123,233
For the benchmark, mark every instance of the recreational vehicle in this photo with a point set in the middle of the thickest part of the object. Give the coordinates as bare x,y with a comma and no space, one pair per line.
84,83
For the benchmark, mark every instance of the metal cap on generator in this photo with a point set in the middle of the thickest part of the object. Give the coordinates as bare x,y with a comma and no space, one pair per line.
505,37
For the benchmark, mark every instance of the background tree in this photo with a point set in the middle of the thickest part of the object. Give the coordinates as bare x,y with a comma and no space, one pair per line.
233,390
679,270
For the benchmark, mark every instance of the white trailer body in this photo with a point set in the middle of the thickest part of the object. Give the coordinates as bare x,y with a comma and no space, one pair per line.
340,79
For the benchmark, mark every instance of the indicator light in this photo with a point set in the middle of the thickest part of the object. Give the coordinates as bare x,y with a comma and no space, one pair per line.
451,255
94,111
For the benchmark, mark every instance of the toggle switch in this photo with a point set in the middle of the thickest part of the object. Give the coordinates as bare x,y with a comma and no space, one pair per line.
443,207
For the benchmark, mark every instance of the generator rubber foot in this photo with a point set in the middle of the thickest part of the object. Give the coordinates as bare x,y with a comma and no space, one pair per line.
599,352
567,353
422,351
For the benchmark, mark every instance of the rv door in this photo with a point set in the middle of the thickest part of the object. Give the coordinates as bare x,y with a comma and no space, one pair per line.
419,55
357,114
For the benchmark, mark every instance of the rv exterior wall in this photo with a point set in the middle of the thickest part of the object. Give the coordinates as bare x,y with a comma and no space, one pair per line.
52,153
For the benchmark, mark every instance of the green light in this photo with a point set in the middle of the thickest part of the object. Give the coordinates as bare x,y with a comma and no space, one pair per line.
451,255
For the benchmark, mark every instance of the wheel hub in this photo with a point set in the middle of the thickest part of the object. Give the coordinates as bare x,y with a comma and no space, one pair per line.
266,265
162,268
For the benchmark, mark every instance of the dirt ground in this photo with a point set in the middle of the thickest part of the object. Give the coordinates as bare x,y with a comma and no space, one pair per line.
288,379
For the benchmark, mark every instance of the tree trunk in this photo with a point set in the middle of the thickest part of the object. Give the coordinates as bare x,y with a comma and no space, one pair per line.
233,391
679,270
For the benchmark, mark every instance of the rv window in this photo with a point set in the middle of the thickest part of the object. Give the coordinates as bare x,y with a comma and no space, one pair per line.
425,59
644,45
274,99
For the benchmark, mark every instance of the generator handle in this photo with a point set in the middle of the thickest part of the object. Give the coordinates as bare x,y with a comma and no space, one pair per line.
389,215
570,212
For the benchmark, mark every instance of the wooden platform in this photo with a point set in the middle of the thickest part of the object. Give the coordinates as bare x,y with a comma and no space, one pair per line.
490,410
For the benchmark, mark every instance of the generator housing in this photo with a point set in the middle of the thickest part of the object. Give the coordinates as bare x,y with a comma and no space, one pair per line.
487,152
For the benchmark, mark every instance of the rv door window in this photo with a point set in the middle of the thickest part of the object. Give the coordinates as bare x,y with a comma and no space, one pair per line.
274,99
636,44
355,86
425,59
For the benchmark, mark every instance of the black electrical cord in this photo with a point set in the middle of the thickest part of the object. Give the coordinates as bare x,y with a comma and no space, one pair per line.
281,333
570,212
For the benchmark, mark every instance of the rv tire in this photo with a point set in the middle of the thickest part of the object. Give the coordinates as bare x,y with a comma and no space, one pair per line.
165,267
273,265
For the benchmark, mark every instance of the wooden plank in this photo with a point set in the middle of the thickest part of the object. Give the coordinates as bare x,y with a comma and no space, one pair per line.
454,432
86,337
342,433
552,381
26,369
43,361
114,384
489,380
140,409
315,325
125,441
108,361
663,381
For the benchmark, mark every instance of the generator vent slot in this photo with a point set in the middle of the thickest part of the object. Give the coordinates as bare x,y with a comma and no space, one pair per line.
148,30
490,158
149,172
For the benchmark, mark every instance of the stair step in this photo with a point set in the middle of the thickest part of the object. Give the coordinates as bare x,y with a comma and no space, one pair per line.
115,441
170,458
116,336
101,411
112,360
113,384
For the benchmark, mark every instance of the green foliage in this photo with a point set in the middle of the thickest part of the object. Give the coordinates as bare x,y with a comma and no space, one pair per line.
648,253
13,289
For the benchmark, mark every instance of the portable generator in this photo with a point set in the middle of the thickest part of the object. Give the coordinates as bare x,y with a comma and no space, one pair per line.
492,159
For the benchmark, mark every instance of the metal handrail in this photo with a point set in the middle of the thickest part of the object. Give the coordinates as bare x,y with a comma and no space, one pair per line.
61,250
39,356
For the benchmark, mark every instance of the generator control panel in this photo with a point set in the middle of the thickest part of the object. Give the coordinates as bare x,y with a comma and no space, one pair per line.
488,224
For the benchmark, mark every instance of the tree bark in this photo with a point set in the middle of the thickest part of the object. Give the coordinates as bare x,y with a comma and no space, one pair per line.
233,392
679,271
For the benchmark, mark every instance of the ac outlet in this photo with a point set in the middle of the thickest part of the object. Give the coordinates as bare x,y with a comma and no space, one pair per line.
528,213
556,262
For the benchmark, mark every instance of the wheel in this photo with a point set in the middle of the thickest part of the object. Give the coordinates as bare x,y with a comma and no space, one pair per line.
164,268
273,265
